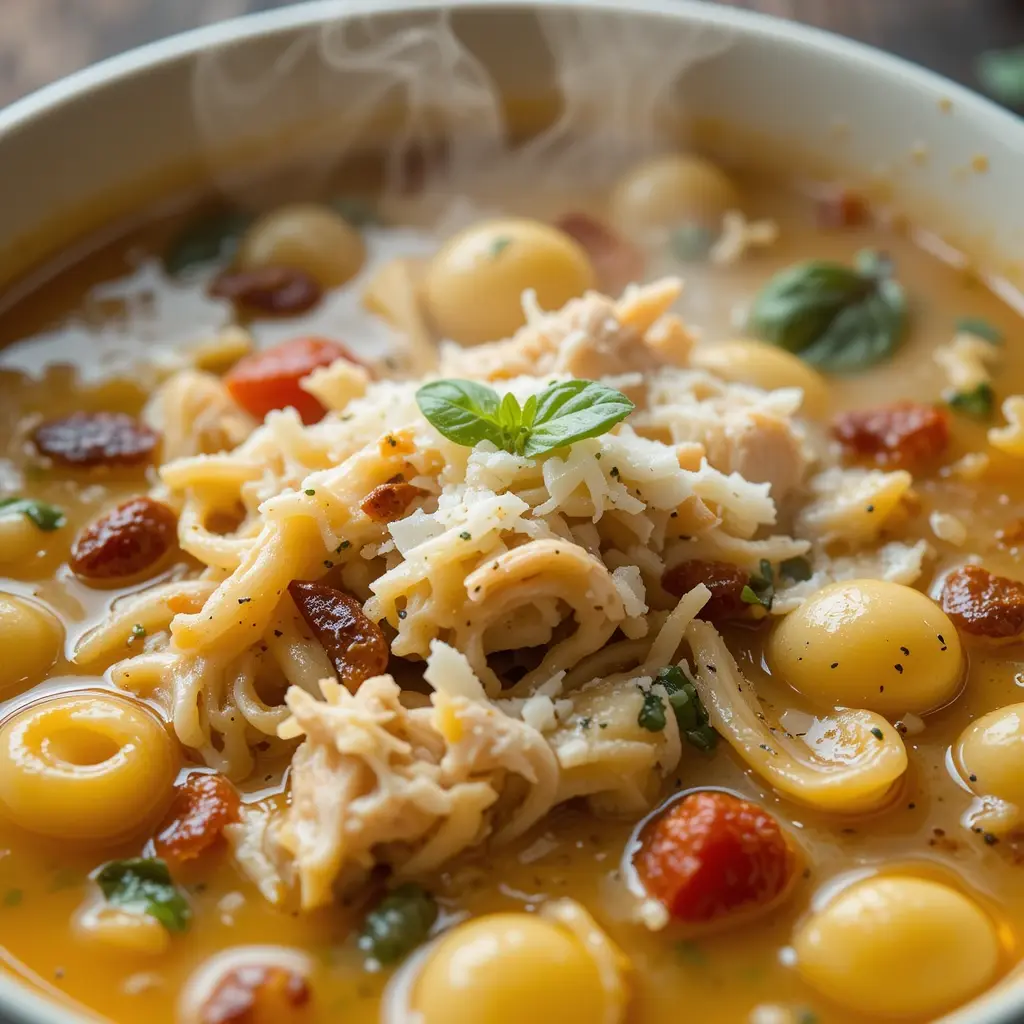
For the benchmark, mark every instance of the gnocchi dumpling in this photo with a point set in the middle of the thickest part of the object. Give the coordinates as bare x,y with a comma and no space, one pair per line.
897,946
32,639
869,644
765,366
507,968
672,190
990,758
87,767
306,237
473,288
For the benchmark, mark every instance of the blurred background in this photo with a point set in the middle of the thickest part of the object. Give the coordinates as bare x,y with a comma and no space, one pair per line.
972,41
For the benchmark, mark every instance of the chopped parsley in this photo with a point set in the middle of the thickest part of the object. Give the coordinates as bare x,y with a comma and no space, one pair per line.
398,924
798,570
761,587
877,733
691,715
310,491
138,633
466,535
652,712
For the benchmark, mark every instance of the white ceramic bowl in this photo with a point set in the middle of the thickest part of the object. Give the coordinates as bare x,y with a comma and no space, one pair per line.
89,150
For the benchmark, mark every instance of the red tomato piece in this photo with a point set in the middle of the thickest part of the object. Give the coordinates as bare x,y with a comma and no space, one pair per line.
905,433
203,804
711,854
269,380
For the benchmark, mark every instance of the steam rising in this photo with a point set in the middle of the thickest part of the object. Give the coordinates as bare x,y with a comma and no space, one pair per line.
418,84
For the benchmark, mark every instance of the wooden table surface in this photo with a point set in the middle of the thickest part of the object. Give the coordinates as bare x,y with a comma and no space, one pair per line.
40,40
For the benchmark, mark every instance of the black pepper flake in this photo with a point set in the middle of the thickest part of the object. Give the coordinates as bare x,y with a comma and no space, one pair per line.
310,491
466,535
244,600
990,839
278,632
328,564
835,664
898,667
877,733
881,689
614,471
402,614
972,778
673,515
905,651
391,441
911,806
870,508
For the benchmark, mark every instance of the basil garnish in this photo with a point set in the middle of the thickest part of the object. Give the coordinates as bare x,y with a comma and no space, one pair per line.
208,239
978,402
143,884
45,517
467,412
398,924
835,317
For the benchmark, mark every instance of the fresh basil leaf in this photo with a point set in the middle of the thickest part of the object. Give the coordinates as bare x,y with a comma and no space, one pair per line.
978,327
573,410
39,513
796,569
691,243
208,239
143,884
398,924
652,712
529,412
835,317
979,402
464,411
1001,73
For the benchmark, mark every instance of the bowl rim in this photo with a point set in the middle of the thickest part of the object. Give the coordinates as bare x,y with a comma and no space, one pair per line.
22,1004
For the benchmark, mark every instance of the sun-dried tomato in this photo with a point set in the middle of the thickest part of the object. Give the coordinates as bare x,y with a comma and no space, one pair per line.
841,208
256,994
203,804
724,580
124,543
902,434
354,643
712,853
983,604
87,439
616,261
272,291
388,502
271,379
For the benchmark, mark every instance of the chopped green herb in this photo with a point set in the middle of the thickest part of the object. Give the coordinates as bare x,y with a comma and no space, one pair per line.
691,243
978,327
39,513
13,897
138,633
691,953
978,403
466,535
877,733
468,412
652,712
1001,73
691,715
342,546
498,246
210,239
761,588
835,317
796,569
310,491
585,722
359,212
143,884
398,924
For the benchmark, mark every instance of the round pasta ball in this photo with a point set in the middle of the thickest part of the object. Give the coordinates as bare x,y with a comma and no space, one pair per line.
898,947
307,237
473,287
869,644
990,755
89,767
508,968
32,641
765,366
672,190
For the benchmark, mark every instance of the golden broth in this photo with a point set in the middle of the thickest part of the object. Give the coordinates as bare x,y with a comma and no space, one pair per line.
96,337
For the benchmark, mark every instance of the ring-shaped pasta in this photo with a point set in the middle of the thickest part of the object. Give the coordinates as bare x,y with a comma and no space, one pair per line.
88,767
530,573
849,763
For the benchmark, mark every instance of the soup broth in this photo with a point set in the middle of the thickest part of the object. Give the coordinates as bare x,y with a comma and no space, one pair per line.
110,333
